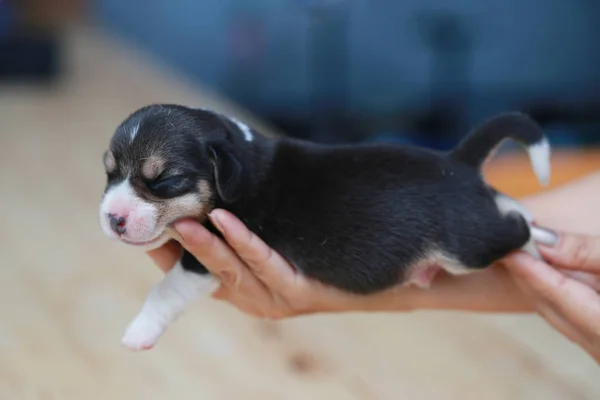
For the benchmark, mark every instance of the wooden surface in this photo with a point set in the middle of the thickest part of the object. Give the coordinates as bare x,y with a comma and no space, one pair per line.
67,293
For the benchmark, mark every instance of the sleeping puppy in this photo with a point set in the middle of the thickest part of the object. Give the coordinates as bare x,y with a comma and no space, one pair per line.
362,218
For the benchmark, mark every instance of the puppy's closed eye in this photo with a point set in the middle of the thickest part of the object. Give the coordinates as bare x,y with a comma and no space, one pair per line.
170,186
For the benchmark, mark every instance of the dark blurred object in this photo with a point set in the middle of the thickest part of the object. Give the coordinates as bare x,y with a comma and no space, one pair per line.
569,124
29,57
449,38
44,14
30,39
328,70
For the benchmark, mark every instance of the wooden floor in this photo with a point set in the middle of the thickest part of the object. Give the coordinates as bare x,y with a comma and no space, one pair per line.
67,293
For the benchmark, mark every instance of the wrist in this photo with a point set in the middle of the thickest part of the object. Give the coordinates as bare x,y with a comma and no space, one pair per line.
397,299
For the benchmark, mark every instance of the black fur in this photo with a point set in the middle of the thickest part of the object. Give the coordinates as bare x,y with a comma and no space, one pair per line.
476,147
189,262
356,217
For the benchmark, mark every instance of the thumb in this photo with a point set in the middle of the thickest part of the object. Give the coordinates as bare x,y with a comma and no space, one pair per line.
166,256
575,252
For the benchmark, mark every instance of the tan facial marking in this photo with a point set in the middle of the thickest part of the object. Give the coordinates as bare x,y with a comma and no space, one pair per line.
109,161
188,206
205,191
193,205
173,234
152,167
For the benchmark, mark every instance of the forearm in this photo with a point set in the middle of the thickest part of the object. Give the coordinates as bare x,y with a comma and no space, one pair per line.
573,207
490,290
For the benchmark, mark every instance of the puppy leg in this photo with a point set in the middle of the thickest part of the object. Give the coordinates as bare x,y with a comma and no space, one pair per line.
166,301
506,205
506,232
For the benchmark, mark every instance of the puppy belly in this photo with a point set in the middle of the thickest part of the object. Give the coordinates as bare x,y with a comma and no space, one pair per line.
166,301
423,273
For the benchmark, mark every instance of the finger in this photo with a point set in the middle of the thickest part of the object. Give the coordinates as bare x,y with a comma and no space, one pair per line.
561,324
584,339
558,322
209,250
574,251
576,302
236,300
220,260
264,262
253,307
166,256
545,310
592,280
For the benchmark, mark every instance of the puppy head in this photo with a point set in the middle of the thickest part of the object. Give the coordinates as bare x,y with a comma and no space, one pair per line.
166,163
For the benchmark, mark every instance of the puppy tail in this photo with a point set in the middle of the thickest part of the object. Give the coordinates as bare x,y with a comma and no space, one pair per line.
479,145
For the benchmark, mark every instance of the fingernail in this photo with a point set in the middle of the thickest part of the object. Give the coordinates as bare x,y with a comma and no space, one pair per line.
545,236
214,218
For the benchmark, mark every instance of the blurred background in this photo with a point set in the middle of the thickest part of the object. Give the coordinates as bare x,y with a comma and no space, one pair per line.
398,71
353,70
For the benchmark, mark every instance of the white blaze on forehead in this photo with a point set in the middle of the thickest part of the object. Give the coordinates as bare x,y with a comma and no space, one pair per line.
133,132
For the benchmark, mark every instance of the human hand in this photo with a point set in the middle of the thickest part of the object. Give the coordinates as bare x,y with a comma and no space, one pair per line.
568,298
256,279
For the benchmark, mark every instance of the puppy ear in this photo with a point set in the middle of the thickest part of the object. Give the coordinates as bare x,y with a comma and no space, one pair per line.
228,172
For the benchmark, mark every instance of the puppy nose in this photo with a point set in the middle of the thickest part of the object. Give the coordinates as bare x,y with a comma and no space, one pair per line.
117,223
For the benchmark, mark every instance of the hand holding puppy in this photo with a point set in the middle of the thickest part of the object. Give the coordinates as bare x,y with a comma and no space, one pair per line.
258,281
567,299
254,278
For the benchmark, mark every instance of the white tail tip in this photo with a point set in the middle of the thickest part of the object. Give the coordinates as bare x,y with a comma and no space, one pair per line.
539,154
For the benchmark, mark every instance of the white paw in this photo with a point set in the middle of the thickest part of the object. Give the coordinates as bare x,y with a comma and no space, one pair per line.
142,333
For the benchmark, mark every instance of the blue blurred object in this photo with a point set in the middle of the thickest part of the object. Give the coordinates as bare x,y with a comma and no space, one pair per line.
563,136
328,70
389,137
7,19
